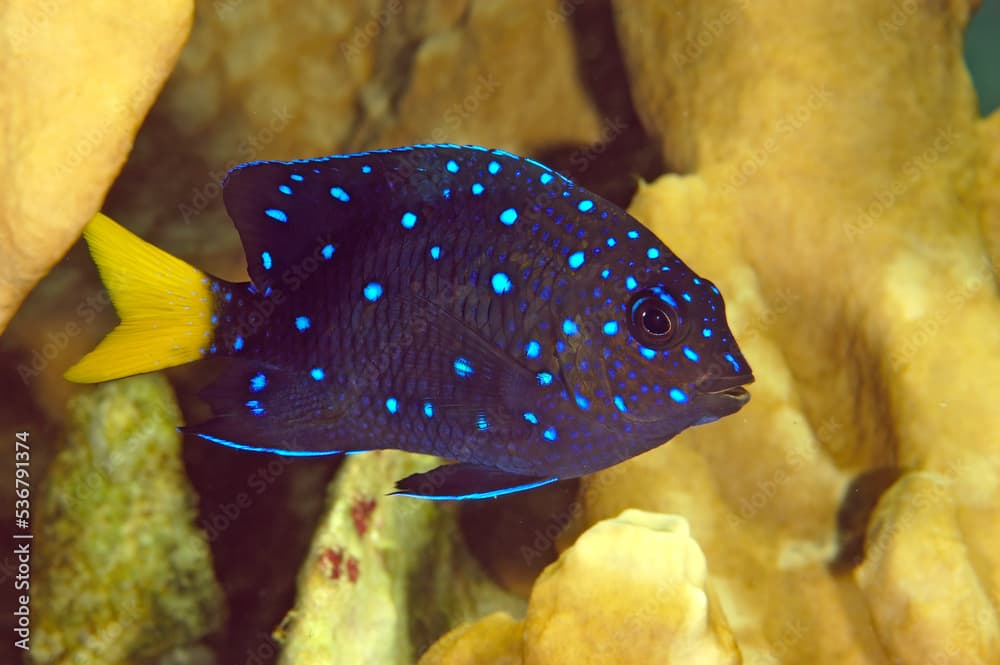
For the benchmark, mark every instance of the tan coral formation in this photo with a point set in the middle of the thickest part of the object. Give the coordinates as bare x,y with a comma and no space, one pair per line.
927,601
384,575
632,589
836,178
78,80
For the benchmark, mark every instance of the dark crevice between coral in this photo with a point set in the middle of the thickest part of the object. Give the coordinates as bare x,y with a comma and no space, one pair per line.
395,54
625,152
854,515
259,512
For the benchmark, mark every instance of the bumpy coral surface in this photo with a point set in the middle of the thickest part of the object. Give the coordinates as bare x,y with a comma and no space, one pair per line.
122,573
78,80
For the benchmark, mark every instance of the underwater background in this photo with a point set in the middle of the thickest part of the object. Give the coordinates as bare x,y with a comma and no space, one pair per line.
833,167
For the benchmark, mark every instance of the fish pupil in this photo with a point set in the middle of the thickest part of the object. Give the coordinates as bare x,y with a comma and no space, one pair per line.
655,321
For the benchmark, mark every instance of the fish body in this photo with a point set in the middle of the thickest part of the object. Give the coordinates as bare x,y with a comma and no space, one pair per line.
458,301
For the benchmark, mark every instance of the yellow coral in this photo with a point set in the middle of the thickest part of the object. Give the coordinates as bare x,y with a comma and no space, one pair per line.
78,80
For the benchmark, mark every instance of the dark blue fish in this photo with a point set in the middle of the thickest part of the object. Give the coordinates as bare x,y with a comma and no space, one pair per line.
438,299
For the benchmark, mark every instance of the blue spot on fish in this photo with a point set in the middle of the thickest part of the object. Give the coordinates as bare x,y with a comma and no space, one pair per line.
550,433
508,216
265,258
258,382
392,405
501,283
585,205
611,328
327,252
576,260
302,323
678,395
408,220
373,291
452,166
477,189
428,409
530,417
569,327
463,367
436,252
544,378
532,349
494,167
317,373
276,214
339,194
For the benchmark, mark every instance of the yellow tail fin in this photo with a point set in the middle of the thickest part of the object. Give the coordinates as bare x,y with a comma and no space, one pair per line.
165,305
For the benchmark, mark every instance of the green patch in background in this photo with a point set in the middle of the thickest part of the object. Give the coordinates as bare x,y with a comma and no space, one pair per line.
982,53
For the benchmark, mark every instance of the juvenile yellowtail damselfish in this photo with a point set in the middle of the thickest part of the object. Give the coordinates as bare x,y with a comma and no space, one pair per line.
458,301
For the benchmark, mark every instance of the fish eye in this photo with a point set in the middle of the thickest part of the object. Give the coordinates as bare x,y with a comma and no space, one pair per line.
654,318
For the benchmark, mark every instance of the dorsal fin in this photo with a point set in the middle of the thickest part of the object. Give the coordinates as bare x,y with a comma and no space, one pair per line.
282,219
286,212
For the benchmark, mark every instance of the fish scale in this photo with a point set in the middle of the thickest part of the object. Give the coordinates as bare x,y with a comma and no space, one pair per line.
459,301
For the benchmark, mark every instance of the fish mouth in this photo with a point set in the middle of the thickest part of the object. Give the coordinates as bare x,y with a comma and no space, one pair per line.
736,392
730,386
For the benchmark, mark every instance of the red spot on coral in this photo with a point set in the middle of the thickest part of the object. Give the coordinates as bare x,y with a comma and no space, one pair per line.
331,560
361,512
353,571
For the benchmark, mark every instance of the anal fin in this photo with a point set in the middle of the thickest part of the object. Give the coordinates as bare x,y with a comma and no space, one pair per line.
463,481
262,407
